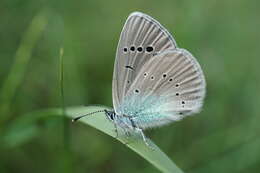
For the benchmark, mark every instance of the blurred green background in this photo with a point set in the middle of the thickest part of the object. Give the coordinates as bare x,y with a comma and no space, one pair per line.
223,35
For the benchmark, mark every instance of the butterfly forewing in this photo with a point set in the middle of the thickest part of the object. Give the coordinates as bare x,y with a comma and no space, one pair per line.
141,38
169,86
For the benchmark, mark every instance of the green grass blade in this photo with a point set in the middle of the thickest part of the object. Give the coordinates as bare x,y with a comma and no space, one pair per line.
99,121
66,125
67,159
22,57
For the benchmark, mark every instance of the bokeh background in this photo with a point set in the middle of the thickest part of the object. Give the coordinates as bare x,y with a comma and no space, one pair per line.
223,35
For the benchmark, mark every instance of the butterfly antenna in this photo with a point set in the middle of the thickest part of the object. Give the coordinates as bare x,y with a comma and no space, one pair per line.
79,117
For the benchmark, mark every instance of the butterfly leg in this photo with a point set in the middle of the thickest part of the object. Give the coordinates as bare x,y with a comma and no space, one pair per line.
127,133
126,129
117,134
116,130
143,136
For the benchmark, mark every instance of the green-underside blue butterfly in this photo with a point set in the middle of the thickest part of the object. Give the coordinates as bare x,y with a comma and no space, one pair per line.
154,81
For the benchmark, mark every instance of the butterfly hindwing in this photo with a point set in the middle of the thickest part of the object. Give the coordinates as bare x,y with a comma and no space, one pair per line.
141,38
169,86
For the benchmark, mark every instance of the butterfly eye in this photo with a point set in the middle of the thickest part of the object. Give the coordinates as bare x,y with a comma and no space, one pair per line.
128,81
125,49
136,91
145,74
139,49
149,49
170,79
132,48
177,85
177,94
152,77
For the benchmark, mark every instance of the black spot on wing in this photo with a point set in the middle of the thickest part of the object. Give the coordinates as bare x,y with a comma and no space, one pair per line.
127,66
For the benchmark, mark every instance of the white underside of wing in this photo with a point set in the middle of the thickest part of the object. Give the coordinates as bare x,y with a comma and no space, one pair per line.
158,85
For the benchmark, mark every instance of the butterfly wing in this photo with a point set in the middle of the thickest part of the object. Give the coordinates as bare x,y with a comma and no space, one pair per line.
141,38
169,86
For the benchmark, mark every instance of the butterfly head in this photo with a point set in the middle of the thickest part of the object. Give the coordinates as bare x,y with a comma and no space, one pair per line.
110,114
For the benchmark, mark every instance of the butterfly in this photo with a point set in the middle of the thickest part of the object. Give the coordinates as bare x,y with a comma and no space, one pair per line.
154,81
